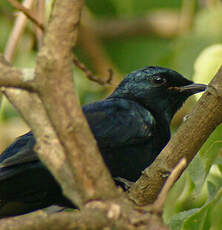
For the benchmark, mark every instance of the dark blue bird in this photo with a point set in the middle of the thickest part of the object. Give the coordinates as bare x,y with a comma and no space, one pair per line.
131,127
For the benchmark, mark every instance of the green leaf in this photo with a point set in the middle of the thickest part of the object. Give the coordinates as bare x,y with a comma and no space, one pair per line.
200,218
177,221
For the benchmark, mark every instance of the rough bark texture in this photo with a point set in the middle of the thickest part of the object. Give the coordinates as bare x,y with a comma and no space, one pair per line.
55,86
53,82
96,215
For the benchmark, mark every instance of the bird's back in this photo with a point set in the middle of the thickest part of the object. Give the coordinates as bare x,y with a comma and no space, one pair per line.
125,132
127,135
131,127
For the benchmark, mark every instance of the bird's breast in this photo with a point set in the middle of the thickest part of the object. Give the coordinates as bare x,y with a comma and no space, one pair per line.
129,161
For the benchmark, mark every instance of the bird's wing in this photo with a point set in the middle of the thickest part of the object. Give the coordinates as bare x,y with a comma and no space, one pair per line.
21,151
114,123
118,123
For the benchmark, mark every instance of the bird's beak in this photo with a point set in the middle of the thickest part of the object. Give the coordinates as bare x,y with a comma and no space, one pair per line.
192,88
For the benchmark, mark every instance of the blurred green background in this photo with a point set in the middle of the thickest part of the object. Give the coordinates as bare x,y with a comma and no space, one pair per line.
185,35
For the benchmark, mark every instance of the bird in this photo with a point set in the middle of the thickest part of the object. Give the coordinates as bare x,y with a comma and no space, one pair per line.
131,127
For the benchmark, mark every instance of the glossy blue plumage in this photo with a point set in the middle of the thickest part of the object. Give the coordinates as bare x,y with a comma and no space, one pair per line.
131,127
123,130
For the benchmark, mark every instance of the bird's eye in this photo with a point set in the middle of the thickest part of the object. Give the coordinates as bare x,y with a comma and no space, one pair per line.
158,80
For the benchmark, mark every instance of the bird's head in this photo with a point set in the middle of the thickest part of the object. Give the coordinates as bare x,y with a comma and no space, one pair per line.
158,89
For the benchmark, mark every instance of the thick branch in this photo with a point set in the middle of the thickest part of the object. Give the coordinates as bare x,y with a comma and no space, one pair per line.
12,77
205,117
36,117
48,145
66,220
96,215
55,85
55,61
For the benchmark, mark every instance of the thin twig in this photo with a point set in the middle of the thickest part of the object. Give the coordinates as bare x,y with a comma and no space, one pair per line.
29,14
93,46
88,73
17,31
177,171
41,17
91,76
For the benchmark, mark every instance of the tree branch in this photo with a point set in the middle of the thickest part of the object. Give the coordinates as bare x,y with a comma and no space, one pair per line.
41,8
32,17
23,101
90,75
157,206
96,215
205,117
90,219
17,31
64,141
84,164
95,50
48,145
27,12
12,77
55,87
